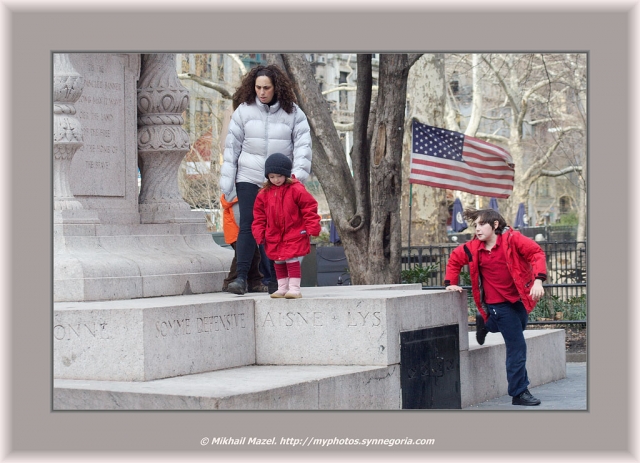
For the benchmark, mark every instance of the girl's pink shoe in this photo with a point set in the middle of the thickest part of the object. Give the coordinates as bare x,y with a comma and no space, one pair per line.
283,288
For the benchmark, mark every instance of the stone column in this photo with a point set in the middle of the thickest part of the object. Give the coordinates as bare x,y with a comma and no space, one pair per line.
162,142
67,139
67,133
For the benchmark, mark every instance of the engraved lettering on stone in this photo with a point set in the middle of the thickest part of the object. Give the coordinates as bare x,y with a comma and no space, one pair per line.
268,319
71,331
362,319
177,327
209,324
297,319
100,111
97,164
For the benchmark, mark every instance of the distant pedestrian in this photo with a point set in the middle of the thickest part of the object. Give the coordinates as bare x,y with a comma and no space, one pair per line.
507,270
285,216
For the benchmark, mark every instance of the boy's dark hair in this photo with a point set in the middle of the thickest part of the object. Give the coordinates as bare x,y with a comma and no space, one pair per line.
486,216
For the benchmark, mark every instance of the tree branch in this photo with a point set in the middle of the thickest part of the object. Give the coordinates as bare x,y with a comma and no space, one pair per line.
209,84
345,88
496,118
534,171
236,58
329,162
559,173
490,136
510,98
540,121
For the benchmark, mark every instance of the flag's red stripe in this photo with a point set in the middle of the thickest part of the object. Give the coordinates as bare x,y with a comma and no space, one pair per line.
466,155
484,146
504,173
487,147
499,166
476,181
479,192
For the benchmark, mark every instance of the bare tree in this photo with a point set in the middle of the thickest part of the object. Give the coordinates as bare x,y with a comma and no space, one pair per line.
531,82
426,97
365,206
532,104
199,174
199,177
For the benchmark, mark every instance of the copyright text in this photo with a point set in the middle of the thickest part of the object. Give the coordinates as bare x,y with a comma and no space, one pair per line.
314,442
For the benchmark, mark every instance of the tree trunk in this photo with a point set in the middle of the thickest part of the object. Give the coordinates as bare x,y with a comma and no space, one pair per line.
426,96
365,209
582,204
386,171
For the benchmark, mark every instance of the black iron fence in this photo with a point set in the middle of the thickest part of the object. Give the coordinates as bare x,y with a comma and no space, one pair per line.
549,233
565,288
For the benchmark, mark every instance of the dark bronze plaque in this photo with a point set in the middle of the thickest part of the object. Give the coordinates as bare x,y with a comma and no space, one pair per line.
430,368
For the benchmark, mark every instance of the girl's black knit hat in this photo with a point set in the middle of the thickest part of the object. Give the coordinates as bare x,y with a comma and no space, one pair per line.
278,163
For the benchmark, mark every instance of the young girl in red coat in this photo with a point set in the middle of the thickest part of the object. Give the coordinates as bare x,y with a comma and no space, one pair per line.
285,216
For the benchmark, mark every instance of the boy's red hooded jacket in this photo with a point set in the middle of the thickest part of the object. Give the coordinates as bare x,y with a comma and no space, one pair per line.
284,219
525,261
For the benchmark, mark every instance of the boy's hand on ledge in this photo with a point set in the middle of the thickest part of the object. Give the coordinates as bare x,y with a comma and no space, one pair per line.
454,288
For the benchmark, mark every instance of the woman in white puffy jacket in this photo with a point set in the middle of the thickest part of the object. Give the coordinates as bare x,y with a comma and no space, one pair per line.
266,120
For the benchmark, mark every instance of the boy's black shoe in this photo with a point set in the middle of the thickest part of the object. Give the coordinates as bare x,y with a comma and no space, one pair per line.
525,398
273,285
481,331
238,286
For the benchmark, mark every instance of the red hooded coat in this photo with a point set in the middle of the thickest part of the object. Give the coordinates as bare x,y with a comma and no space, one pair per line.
284,219
525,261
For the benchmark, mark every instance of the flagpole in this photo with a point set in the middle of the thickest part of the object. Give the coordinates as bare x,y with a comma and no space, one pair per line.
409,237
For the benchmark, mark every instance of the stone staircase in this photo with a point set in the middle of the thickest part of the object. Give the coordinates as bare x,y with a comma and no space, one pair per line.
336,348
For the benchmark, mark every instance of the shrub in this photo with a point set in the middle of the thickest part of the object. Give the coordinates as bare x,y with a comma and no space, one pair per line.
419,274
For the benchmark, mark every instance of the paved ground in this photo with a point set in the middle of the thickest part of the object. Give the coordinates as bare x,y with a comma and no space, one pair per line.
566,394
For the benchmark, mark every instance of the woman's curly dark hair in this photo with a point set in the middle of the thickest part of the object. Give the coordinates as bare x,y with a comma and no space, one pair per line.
246,93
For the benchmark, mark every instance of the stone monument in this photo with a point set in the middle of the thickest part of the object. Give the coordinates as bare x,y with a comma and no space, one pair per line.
115,113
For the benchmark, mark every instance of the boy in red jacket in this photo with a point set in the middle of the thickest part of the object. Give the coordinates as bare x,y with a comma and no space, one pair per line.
507,270
285,216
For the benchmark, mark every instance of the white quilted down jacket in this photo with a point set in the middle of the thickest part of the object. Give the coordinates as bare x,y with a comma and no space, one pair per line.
257,131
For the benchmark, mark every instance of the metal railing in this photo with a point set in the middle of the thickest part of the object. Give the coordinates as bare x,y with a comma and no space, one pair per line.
566,264
565,288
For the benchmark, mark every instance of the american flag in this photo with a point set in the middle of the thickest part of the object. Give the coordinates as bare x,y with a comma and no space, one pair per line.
444,159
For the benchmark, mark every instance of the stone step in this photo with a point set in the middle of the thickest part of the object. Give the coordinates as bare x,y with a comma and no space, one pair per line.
482,368
313,387
126,264
258,387
152,338
355,326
